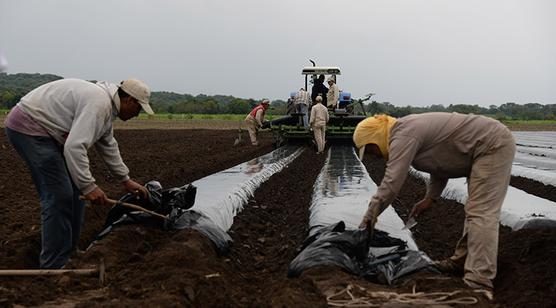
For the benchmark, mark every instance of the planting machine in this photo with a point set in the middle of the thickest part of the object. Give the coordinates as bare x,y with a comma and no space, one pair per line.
343,119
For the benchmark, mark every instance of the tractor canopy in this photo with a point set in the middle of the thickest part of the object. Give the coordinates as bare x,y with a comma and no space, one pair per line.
321,70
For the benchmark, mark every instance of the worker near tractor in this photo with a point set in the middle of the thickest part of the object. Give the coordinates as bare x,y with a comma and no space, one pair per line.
290,104
301,103
319,89
255,119
51,128
319,118
333,93
446,145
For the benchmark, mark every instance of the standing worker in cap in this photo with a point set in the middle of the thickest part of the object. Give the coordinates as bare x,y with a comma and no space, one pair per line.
319,118
254,120
333,93
52,127
447,145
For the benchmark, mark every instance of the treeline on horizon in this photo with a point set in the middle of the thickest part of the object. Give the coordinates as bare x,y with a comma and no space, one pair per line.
15,86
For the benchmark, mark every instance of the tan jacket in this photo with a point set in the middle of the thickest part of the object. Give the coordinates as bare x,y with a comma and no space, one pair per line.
442,144
319,115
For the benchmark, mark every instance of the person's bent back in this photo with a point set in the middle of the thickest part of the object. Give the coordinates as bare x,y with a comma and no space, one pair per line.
52,128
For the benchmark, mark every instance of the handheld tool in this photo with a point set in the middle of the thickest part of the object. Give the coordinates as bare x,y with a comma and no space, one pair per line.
411,222
100,271
132,206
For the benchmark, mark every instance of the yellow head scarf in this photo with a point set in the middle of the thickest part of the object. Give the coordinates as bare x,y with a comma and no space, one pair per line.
375,130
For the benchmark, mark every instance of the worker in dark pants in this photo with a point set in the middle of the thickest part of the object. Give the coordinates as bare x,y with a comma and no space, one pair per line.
51,128
447,145
319,89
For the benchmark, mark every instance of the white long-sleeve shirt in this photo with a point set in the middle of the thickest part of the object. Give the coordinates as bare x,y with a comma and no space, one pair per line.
79,114
333,95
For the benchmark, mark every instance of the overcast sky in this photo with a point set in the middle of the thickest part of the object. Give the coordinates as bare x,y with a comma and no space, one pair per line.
408,52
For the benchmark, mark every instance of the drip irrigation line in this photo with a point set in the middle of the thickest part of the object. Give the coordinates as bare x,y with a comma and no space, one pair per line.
379,298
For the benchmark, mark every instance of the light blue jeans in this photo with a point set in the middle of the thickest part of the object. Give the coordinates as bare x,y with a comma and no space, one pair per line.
302,108
61,210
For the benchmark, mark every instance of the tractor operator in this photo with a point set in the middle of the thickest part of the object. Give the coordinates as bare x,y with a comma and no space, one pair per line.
254,120
51,128
447,145
319,89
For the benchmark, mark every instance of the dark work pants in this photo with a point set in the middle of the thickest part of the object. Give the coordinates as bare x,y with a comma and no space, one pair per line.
61,210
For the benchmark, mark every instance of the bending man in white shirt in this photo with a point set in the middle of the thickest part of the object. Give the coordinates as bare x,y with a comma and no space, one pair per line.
52,127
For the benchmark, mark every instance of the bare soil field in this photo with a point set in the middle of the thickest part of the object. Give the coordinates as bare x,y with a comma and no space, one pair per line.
148,266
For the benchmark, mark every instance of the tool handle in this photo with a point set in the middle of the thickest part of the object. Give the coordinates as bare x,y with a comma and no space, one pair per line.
139,208
47,272
131,206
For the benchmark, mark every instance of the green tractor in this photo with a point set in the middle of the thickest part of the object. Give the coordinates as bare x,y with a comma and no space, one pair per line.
343,119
